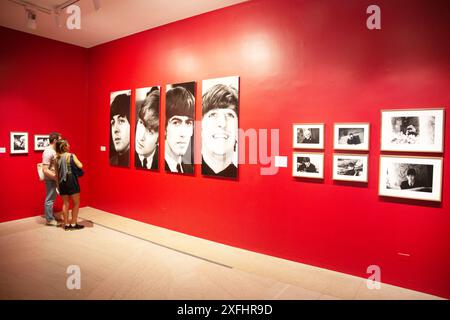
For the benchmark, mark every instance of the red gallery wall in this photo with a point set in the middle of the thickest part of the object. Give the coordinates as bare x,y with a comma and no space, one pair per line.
43,88
298,61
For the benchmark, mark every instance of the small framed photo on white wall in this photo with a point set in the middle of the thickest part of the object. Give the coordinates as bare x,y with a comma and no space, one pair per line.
19,142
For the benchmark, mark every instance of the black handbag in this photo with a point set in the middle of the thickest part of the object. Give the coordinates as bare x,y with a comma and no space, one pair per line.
75,170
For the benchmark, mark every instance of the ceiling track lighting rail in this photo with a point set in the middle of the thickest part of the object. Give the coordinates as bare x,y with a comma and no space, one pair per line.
29,5
58,8
31,9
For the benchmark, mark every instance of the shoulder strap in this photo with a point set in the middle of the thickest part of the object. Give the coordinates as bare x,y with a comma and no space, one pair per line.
69,163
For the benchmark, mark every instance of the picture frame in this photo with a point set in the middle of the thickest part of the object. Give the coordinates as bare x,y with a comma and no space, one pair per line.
418,178
220,100
350,167
41,141
120,128
147,126
413,130
18,142
352,136
308,135
180,115
308,165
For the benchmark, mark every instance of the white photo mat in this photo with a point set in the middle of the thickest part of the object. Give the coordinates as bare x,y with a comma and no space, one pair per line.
18,142
320,127
316,159
359,160
339,141
41,141
390,186
426,126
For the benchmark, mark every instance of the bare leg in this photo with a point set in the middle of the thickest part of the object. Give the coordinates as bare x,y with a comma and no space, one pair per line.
65,209
76,206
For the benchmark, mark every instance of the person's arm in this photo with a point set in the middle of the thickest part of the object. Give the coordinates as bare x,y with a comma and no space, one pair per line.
48,173
77,162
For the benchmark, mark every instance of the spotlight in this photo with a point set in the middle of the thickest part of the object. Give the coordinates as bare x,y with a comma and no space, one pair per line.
31,19
97,5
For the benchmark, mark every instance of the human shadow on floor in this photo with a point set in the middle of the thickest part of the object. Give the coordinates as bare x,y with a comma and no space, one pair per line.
86,223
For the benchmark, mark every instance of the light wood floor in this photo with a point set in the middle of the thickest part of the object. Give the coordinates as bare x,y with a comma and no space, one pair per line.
121,258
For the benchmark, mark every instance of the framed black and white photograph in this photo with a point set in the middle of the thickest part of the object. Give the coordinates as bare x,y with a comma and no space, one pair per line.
179,128
412,130
220,125
350,167
351,136
18,142
417,178
308,165
41,141
119,117
146,144
308,136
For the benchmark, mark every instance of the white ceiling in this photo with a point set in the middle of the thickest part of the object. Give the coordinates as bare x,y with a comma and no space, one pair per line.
115,19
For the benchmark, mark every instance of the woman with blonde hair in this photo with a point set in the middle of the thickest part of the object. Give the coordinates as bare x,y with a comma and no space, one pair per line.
68,185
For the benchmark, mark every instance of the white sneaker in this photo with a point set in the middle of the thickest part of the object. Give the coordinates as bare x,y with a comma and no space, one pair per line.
52,223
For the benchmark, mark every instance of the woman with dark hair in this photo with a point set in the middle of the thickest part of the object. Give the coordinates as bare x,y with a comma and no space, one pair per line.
68,185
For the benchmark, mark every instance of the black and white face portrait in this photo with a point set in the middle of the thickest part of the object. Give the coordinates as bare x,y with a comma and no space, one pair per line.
179,128
412,177
19,142
350,167
408,177
41,142
308,165
220,125
412,130
351,136
146,143
119,147
304,164
308,136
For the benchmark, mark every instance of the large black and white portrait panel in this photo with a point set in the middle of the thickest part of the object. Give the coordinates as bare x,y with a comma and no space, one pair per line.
348,167
220,127
415,130
179,128
351,136
307,165
411,177
119,118
308,136
18,142
146,144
